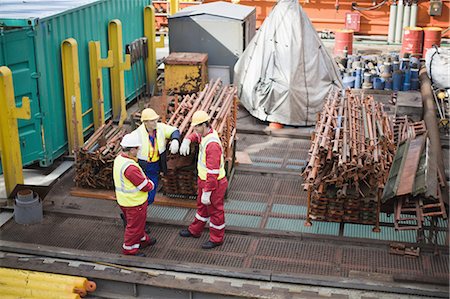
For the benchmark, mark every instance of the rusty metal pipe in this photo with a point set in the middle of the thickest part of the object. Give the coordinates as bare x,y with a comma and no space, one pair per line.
429,116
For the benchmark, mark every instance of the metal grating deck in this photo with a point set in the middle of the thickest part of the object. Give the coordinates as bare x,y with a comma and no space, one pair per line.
239,253
275,152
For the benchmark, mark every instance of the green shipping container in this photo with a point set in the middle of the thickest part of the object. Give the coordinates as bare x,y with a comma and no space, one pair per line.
30,45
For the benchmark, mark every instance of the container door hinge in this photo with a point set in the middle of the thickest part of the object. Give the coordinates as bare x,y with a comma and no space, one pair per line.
35,75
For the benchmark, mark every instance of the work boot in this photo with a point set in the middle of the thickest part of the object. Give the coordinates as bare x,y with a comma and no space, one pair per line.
150,242
124,220
187,234
147,229
210,245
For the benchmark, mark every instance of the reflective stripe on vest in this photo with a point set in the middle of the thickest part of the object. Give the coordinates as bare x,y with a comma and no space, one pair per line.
201,164
127,194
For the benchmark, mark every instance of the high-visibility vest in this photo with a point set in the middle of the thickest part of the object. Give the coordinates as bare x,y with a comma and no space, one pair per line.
201,164
163,132
127,194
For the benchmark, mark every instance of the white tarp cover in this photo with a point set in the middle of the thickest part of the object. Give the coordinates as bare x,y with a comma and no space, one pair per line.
285,73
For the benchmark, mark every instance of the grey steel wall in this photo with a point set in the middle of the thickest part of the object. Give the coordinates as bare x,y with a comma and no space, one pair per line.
222,38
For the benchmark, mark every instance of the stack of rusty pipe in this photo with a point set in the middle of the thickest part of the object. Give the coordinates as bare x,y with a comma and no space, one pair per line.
350,156
94,160
220,102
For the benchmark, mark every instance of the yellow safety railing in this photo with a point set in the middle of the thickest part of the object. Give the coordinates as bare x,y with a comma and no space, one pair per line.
72,94
150,34
16,283
117,70
9,130
152,43
96,64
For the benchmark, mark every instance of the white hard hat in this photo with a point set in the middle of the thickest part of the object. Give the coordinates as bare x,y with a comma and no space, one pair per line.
131,140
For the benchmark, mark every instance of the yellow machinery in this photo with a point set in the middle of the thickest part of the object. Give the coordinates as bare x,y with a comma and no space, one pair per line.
186,72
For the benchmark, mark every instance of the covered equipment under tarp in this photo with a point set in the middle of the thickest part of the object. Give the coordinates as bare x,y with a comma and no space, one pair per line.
285,73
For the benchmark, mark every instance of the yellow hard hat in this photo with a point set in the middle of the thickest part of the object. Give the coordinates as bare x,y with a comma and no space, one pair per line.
149,114
199,117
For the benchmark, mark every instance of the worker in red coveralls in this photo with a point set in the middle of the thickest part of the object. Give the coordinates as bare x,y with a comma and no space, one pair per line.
212,182
132,187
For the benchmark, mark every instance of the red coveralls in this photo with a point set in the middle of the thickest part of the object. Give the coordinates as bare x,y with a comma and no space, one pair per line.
215,211
135,236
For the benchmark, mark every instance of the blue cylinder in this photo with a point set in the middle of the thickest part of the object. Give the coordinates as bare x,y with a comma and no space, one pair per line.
404,64
388,84
358,80
397,80
414,74
349,63
414,60
415,85
378,83
348,81
395,65
407,80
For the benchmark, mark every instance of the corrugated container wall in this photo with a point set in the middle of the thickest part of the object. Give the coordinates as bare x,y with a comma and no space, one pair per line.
33,53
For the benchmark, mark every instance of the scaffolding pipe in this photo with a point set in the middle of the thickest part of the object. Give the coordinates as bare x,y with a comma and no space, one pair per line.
399,22
392,19
429,116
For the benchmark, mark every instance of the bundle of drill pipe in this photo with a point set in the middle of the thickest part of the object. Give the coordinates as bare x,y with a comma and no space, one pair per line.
350,156
220,102
94,160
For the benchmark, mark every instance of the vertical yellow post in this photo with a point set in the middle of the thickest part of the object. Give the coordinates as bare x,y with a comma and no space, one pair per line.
150,34
117,70
96,63
173,7
9,130
72,95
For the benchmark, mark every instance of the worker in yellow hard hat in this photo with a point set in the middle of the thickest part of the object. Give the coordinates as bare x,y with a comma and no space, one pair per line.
152,155
132,188
212,182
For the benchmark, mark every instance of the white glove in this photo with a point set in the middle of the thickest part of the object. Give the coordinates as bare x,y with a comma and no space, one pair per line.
174,146
206,198
185,147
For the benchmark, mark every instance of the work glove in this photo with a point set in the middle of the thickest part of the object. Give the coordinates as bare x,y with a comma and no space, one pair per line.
174,146
185,147
206,198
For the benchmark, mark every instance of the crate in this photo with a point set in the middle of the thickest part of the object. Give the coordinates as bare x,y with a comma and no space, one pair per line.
186,73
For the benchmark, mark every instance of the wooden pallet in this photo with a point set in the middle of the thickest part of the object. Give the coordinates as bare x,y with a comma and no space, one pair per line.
160,199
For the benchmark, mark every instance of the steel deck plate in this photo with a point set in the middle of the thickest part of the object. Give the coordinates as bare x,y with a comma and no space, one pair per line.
240,251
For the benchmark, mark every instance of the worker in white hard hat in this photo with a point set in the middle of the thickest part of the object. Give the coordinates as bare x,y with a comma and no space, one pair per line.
132,187
152,155
212,181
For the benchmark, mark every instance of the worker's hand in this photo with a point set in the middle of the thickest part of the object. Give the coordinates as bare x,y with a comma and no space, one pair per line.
185,147
206,198
174,146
